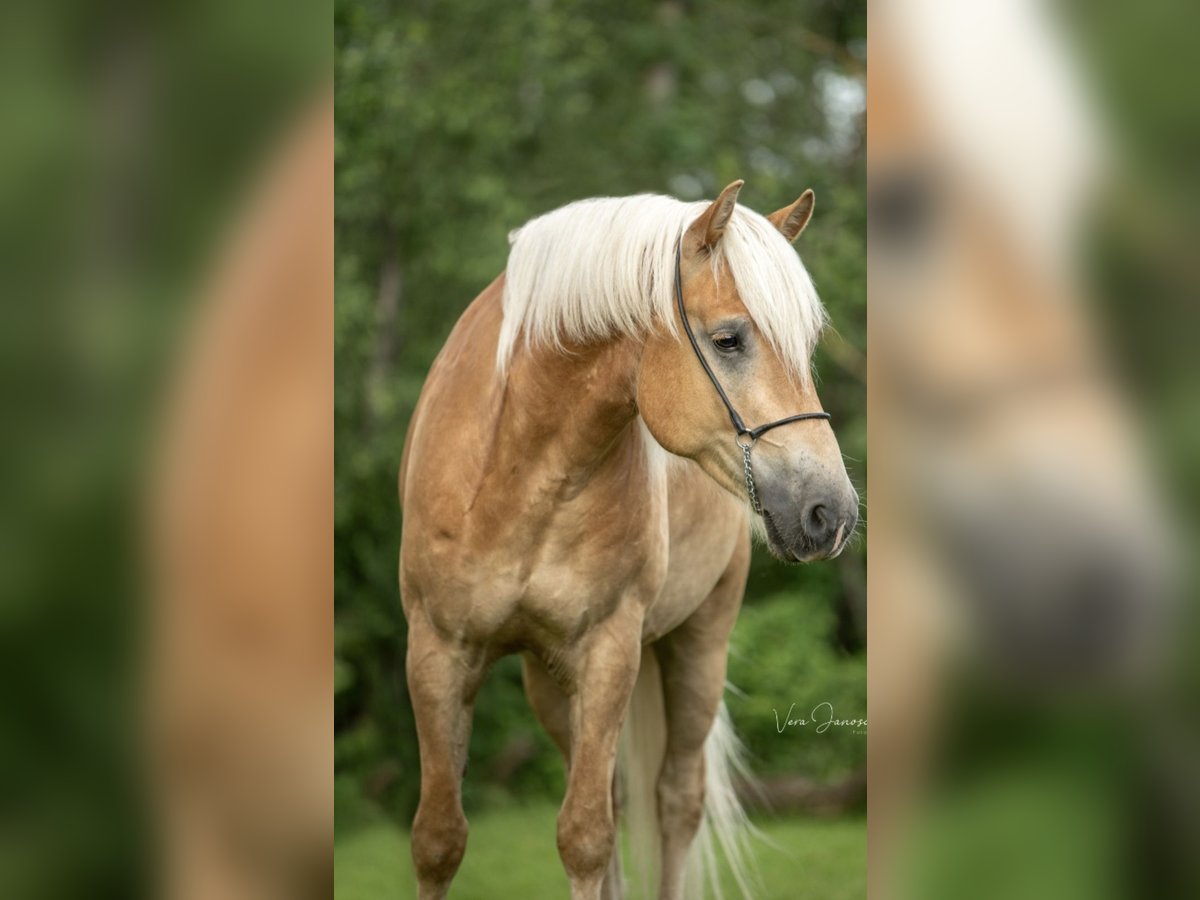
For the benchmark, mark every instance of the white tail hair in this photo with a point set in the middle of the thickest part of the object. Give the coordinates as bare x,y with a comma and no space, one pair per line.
725,829
598,268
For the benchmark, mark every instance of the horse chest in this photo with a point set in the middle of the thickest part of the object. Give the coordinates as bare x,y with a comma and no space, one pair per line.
643,537
580,578
543,583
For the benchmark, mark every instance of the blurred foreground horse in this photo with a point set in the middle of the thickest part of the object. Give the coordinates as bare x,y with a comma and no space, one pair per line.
1018,532
578,486
240,552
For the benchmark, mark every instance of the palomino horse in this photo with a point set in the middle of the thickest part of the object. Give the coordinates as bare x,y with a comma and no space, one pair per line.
240,556
1021,540
573,491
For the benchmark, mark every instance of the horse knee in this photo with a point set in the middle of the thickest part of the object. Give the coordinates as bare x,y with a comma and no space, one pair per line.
438,844
680,798
586,842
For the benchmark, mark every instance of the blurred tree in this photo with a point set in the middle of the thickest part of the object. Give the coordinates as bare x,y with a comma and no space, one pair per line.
458,121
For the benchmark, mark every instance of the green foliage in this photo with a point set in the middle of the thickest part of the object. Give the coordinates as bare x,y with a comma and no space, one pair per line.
460,120
781,655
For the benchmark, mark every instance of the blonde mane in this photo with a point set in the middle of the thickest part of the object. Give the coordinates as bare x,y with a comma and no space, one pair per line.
598,268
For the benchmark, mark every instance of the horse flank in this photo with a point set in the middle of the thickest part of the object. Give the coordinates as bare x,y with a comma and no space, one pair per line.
603,267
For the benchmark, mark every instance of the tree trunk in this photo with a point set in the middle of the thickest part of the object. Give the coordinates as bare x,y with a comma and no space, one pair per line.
387,336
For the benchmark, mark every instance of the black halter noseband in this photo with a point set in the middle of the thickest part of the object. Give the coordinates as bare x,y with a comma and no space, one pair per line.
739,426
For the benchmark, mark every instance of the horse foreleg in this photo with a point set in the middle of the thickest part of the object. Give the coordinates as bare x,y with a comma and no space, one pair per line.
601,688
692,660
553,709
443,679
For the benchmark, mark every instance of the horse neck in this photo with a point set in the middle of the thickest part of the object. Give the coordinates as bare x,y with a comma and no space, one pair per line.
570,409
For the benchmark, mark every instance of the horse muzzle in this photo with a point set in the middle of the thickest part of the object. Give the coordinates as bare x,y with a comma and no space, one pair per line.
818,526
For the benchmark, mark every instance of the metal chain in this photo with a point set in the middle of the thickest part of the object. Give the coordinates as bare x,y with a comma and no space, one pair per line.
749,477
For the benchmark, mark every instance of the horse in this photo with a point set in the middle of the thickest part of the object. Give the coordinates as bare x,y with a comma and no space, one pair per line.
573,491
1017,530
239,555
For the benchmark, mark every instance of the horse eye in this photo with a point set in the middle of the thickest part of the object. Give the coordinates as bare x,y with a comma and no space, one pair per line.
726,342
901,207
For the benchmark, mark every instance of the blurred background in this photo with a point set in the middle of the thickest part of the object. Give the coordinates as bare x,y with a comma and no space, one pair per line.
132,136
1033,410
459,121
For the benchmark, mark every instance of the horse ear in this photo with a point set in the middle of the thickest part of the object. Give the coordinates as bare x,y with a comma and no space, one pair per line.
710,226
791,219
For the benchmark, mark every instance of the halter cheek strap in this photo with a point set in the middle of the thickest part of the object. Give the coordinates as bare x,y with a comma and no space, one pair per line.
751,435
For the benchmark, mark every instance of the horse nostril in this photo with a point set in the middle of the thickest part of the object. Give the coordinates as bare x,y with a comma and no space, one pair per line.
818,519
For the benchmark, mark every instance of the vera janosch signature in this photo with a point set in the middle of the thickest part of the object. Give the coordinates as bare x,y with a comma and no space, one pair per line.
821,719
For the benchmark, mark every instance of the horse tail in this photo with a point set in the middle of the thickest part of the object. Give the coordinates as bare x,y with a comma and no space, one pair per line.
725,829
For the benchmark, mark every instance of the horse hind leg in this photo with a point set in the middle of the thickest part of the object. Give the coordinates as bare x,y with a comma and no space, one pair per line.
692,659
552,707
443,679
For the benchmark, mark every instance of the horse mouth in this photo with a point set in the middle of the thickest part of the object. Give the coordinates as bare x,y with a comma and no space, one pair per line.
802,551
779,547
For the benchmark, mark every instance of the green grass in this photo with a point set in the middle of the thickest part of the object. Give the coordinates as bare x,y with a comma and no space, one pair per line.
511,853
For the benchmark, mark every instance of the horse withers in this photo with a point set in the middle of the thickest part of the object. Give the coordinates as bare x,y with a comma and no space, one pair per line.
575,490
